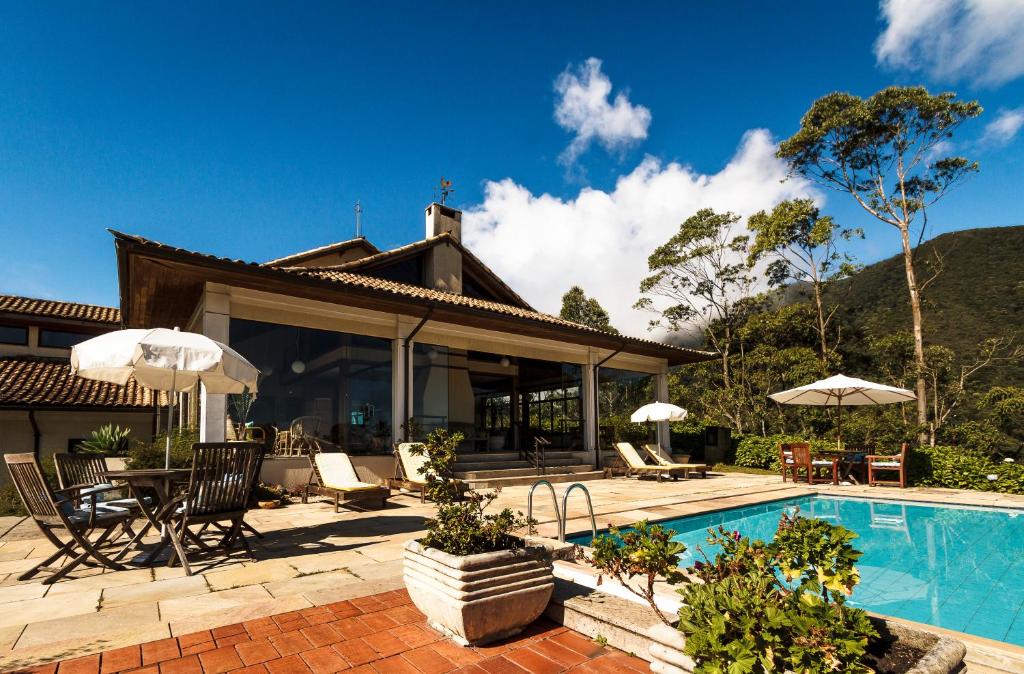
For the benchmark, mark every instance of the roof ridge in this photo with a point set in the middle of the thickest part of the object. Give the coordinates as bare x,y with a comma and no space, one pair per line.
322,249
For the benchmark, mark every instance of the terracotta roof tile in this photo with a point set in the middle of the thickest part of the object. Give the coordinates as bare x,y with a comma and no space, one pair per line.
56,309
48,382
409,291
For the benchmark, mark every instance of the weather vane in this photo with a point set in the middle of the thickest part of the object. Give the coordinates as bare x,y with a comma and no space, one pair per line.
445,189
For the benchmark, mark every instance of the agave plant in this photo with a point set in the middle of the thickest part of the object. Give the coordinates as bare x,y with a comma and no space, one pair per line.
109,439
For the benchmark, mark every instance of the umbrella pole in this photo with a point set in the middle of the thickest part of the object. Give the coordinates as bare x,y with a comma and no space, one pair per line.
839,424
170,421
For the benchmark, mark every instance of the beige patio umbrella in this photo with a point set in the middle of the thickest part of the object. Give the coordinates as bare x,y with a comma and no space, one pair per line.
164,360
658,412
842,391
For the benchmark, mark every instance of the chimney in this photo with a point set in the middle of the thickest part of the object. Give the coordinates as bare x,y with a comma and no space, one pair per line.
443,265
441,219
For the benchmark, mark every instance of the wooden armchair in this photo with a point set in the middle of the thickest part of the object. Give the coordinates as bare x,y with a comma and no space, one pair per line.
816,468
53,512
81,475
218,493
786,458
878,463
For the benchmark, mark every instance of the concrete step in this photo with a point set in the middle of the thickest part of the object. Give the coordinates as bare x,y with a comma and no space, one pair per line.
501,457
465,467
526,480
518,472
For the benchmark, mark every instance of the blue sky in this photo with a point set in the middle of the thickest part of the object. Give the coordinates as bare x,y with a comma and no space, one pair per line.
250,129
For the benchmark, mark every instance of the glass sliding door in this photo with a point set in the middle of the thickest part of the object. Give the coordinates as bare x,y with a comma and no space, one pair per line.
499,403
619,394
334,386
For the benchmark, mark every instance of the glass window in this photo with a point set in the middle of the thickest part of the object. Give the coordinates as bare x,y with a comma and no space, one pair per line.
61,339
333,386
12,334
498,403
620,393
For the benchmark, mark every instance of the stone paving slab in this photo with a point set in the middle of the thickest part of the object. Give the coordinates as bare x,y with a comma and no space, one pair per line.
378,634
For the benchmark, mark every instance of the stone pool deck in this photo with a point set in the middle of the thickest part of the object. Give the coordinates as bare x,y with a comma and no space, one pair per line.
311,557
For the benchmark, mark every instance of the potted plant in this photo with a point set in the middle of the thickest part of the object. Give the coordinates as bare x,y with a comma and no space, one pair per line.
270,496
762,607
474,579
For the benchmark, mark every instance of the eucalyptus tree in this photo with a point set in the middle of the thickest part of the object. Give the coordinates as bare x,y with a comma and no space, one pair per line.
704,274
891,153
803,246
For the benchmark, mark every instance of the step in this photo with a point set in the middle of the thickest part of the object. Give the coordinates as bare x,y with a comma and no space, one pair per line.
527,480
518,472
509,465
500,457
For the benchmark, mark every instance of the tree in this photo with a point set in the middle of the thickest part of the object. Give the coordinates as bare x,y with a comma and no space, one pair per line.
704,273
579,308
803,247
886,152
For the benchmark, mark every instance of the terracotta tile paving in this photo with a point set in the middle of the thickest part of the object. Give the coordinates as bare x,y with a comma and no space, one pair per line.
380,634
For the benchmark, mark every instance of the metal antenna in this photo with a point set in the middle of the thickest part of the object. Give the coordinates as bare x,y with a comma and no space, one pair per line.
359,220
446,190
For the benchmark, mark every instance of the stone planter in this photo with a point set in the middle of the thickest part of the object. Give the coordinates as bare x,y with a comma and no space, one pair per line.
478,599
941,655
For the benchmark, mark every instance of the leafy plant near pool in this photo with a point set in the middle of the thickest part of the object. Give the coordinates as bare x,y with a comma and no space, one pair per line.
756,607
647,551
462,527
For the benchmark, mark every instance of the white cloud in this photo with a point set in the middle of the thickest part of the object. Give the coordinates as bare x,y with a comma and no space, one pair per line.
1004,128
542,244
977,40
585,109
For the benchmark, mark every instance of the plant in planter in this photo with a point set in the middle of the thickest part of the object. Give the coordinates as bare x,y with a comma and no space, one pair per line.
762,607
109,440
474,579
270,495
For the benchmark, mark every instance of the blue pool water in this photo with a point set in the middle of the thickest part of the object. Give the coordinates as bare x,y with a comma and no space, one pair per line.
955,567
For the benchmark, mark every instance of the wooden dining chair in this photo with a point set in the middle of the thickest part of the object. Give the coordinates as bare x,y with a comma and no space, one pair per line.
83,474
786,458
816,468
879,463
218,493
67,527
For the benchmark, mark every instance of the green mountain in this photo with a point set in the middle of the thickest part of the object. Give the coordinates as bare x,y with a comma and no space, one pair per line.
977,292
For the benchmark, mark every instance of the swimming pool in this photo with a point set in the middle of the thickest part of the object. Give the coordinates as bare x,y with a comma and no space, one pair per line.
956,567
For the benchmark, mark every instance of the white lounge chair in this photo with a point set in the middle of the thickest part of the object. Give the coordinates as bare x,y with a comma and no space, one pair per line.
635,464
409,470
663,458
336,478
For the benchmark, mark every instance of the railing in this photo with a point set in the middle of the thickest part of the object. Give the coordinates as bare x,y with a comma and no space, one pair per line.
537,455
562,516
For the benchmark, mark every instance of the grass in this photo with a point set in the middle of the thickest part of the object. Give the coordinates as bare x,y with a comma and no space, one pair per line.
729,468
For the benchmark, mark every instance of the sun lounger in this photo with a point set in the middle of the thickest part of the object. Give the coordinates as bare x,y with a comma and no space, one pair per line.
336,478
409,471
663,458
635,464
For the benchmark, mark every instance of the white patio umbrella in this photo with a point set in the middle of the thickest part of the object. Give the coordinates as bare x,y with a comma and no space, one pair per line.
841,391
658,412
164,360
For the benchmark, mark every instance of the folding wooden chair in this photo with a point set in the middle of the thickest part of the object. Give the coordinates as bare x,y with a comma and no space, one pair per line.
82,474
53,511
218,492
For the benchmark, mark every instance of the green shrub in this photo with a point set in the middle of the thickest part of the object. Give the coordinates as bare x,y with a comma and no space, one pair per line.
962,468
758,451
151,454
759,608
10,502
462,527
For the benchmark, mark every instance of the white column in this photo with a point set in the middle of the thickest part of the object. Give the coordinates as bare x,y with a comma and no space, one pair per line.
589,407
661,393
399,415
215,323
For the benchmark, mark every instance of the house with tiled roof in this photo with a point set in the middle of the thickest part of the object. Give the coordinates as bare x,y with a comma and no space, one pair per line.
43,407
363,347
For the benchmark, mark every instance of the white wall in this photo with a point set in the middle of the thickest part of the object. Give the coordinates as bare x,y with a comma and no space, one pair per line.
56,427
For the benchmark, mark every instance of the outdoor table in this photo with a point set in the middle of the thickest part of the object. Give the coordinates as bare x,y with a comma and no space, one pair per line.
851,463
160,481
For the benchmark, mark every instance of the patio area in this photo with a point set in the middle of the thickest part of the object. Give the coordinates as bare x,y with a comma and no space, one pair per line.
313,567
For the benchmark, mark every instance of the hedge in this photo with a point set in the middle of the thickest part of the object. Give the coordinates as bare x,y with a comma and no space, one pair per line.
758,451
962,468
